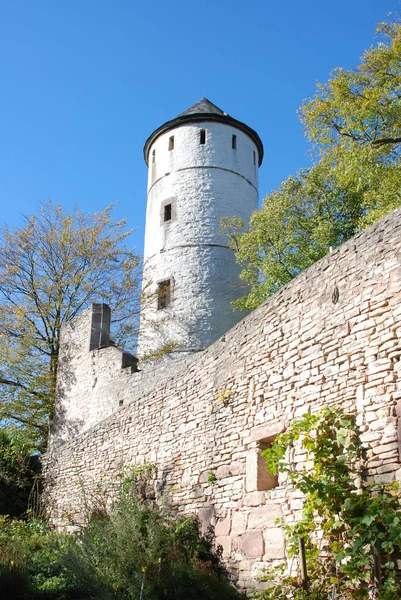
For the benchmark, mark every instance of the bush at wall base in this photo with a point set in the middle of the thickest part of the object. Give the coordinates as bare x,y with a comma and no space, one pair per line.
135,552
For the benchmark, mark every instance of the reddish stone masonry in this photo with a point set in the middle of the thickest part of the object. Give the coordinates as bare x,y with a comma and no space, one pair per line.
305,348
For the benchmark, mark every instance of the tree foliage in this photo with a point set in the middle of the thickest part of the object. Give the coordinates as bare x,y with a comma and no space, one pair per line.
354,125
354,121
344,522
295,226
51,268
17,471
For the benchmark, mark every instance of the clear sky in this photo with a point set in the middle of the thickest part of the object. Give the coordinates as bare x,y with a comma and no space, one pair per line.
84,82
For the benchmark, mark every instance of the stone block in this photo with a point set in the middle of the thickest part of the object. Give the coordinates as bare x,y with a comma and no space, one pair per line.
223,527
206,517
268,431
197,491
238,522
223,472
274,543
237,468
265,516
204,477
384,478
225,542
232,469
252,545
387,468
255,499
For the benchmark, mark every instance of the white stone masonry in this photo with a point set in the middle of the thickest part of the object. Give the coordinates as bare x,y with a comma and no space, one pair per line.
202,182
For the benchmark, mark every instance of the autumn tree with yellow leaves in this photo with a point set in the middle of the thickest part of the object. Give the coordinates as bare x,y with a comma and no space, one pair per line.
51,268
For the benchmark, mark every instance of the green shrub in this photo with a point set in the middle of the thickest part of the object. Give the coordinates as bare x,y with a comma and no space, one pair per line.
31,553
142,552
135,552
14,583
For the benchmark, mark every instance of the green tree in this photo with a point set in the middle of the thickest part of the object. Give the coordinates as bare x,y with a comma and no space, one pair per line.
295,226
51,268
354,124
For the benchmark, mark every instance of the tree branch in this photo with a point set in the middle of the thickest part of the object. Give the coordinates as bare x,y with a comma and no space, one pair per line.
384,141
24,421
20,385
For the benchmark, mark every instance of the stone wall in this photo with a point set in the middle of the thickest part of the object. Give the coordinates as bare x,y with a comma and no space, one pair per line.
330,337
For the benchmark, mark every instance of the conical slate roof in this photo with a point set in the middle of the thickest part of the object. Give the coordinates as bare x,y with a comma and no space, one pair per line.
204,106
200,112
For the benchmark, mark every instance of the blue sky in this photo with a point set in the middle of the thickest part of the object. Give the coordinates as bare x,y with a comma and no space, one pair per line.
84,82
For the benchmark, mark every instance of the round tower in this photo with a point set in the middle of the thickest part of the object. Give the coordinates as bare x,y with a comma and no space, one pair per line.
203,165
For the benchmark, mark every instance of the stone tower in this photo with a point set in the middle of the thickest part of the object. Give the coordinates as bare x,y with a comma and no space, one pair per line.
203,165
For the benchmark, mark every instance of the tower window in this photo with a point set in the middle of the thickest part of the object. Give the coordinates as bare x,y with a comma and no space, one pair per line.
254,157
234,142
153,156
171,142
167,213
163,294
202,139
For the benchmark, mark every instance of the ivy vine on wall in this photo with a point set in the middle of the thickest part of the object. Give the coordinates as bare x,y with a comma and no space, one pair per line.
351,531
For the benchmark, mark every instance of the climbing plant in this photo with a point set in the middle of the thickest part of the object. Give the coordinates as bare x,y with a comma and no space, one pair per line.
351,531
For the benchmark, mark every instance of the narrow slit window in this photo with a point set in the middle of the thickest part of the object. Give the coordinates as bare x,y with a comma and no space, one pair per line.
171,142
167,213
234,142
254,157
163,294
202,139
153,156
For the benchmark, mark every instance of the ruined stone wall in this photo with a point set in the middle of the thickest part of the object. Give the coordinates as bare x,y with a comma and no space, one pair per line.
330,337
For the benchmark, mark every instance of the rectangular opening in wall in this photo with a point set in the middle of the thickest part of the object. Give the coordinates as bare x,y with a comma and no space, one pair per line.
171,142
264,480
254,157
163,294
257,476
153,156
167,213
202,139
234,142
